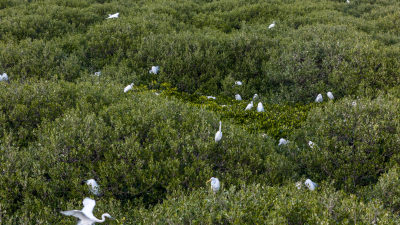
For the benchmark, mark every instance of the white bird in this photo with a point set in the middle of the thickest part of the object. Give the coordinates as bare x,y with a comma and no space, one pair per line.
319,98
249,106
127,88
330,95
255,96
154,69
110,16
85,215
218,135
311,144
212,97
238,97
283,141
260,107
93,186
97,73
4,77
347,1
354,103
156,93
272,25
215,185
238,83
311,185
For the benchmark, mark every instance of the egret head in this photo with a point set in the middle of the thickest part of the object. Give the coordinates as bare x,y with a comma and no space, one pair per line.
108,215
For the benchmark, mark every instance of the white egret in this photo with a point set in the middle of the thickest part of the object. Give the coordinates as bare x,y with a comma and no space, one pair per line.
128,88
319,98
249,106
238,83
283,141
215,185
98,73
311,185
85,215
93,186
330,95
260,107
111,16
238,97
347,1
311,144
211,97
4,77
156,93
218,135
154,69
272,25
255,96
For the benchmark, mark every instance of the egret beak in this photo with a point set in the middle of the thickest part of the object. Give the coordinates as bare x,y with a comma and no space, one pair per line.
208,181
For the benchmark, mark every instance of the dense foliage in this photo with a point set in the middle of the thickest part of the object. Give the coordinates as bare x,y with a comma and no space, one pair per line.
152,148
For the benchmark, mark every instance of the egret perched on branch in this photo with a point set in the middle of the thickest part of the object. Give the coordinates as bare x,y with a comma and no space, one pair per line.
311,185
238,97
330,95
85,215
260,107
154,69
98,73
311,144
212,97
4,77
238,83
283,141
249,106
215,185
128,88
111,16
272,25
319,98
218,135
93,186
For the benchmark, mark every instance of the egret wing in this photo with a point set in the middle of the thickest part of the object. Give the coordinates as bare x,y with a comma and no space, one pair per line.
76,213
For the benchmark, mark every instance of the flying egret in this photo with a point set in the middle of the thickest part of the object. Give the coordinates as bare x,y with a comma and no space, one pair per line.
85,215
255,96
311,185
238,83
249,106
283,141
111,16
319,98
4,77
127,88
212,97
330,95
215,185
260,107
218,135
238,97
311,144
272,25
93,186
154,69
98,73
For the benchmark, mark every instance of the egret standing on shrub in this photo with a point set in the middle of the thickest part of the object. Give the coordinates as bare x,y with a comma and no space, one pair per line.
238,83
111,16
311,185
272,25
4,77
85,215
255,96
93,186
330,95
154,70
218,135
238,97
260,107
128,88
283,141
249,106
212,97
319,98
215,185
